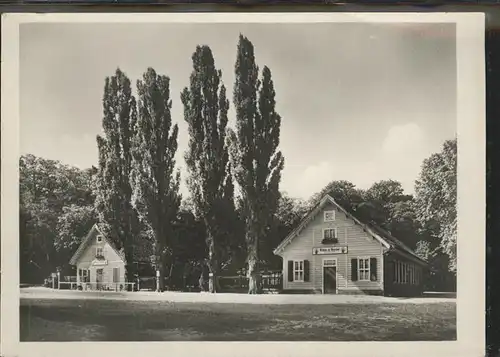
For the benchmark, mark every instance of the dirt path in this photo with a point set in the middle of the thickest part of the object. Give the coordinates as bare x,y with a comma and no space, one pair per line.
109,320
279,299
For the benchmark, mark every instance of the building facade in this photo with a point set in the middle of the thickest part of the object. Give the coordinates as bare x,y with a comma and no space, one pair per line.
99,264
333,252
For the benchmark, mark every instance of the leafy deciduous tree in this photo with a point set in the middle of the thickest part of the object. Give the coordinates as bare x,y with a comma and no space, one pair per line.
289,213
343,192
436,196
47,191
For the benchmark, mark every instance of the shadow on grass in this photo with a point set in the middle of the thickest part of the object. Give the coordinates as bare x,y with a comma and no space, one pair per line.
105,320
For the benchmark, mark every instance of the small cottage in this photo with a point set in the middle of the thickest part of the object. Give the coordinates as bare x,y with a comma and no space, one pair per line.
333,252
99,264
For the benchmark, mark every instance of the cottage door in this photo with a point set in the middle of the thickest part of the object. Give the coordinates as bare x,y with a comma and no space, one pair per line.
330,280
98,278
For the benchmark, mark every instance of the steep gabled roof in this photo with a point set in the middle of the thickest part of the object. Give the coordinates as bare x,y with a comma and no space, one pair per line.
384,237
88,240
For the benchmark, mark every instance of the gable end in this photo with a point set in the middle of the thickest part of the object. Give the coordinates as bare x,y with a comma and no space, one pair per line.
314,212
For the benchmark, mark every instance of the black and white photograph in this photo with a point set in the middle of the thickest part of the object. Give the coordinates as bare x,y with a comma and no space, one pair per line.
243,180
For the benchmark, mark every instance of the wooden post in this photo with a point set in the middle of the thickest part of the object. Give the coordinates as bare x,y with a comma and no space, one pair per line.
58,280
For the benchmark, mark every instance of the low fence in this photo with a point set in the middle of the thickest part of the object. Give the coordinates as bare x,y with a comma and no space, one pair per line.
148,283
271,282
120,286
70,283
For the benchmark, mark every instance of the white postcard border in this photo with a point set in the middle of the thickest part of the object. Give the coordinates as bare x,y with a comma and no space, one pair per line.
471,197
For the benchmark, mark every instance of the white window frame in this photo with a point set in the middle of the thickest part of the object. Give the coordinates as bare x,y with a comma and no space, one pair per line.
298,267
325,213
330,228
84,275
365,269
334,260
97,251
99,239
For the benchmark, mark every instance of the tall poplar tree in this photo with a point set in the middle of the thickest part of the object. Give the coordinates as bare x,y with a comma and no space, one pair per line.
257,161
154,179
113,190
207,159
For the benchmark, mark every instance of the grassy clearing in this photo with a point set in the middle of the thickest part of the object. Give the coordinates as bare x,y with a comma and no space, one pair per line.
107,320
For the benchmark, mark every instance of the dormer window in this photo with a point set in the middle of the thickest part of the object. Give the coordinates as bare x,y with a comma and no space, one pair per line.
99,239
329,216
330,236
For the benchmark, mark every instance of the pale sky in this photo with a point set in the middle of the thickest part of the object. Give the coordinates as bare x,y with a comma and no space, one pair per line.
359,102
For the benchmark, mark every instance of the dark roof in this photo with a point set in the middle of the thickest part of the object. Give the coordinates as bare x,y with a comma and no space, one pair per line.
393,241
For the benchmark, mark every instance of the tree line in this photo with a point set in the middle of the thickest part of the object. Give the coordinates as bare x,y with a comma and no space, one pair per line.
236,213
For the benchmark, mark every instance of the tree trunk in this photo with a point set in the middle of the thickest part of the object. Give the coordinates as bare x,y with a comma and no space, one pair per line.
160,278
201,280
213,266
160,267
170,271
129,269
213,281
130,232
253,272
253,275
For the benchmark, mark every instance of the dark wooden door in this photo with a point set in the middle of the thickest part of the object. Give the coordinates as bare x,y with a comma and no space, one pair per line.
330,280
98,278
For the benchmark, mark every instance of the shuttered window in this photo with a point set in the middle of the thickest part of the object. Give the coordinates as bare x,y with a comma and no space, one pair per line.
373,269
116,275
354,270
298,270
306,270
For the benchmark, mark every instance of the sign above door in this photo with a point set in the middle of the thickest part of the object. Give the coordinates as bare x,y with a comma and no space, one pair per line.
329,250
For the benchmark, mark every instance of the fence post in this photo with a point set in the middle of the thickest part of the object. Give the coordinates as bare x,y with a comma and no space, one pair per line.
59,280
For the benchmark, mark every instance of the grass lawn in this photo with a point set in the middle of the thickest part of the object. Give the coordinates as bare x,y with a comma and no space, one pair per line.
107,320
